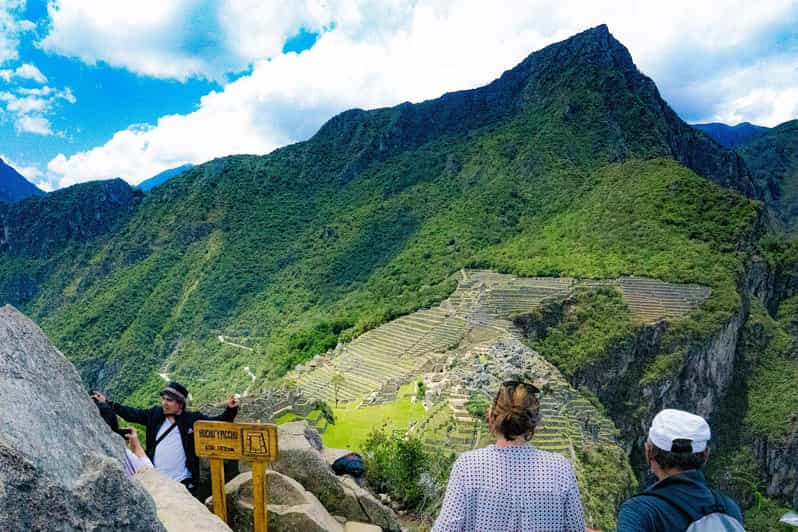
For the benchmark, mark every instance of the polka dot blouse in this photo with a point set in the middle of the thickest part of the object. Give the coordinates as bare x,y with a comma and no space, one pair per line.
511,489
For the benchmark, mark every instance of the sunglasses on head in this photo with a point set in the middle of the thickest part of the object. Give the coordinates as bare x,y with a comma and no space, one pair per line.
515,384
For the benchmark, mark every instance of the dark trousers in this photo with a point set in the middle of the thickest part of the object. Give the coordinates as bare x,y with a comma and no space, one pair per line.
190,485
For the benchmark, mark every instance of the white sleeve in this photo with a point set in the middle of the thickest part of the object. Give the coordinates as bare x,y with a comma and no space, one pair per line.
136,462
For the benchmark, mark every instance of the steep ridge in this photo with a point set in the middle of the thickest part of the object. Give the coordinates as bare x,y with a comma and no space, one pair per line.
41,227
44,239
623,118
772,157
14,186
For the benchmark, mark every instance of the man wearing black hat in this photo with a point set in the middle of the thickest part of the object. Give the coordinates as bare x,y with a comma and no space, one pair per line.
170,431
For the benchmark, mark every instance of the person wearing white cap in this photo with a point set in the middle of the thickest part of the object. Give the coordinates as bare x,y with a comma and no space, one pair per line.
676,451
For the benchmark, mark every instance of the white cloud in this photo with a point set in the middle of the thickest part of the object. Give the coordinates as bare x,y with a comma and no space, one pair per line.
29,71
383,53
765,92
26,105
177,39
34,124
12,26
29,106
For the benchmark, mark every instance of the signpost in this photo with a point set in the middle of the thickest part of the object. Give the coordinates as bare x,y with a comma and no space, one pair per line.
254,442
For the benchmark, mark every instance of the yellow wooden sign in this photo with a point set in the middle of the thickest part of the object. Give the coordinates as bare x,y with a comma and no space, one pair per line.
254,442
218,439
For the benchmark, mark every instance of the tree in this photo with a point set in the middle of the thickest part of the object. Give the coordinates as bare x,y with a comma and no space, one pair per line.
337,381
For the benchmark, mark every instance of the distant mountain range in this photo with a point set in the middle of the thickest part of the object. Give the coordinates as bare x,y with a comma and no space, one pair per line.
163,177
731,136
13,186
772,157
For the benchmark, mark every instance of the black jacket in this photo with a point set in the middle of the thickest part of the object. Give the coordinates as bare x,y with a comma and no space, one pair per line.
153,418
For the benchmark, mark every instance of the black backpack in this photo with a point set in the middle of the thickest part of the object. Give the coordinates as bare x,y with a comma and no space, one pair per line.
711,519
349,464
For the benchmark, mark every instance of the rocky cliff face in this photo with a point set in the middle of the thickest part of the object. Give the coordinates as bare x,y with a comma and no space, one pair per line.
708,372
61,467
698,384
777,458
779,462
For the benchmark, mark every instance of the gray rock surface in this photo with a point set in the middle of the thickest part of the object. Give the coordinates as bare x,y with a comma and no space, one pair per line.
779,460
301,459
353,526
290,506
178,510
60,465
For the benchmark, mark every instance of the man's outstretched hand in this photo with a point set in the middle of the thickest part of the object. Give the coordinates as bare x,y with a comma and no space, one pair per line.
234,401
98,396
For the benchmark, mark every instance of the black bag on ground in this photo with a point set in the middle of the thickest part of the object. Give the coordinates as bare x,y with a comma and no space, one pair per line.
349,464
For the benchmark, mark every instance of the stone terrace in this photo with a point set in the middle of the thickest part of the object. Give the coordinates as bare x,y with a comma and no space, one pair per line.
652,300
403,349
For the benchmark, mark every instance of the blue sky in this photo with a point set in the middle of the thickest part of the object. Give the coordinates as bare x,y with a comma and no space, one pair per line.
93,89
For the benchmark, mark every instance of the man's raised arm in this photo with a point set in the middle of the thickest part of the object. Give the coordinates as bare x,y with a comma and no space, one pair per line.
128,413
229,413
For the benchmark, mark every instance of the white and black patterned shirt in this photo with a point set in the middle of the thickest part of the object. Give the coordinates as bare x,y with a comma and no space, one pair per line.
511,489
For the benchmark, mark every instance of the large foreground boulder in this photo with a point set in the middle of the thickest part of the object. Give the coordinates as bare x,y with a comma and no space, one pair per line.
60,465
290,506
178,510
302,459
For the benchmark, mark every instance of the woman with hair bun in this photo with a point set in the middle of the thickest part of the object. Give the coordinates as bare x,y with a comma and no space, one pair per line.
511,485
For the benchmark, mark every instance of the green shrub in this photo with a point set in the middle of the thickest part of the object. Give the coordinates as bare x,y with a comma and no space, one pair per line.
398,464
477,406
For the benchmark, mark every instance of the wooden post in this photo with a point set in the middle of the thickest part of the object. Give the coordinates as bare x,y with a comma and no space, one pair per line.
217,482
260,496
256,443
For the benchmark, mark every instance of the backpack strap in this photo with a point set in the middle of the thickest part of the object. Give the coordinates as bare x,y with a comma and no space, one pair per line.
691,516
162,436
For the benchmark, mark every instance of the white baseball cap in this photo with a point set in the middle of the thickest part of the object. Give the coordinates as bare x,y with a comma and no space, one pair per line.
672,424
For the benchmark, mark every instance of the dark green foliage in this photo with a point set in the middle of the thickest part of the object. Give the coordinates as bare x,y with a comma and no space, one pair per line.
735,473
595,322
772,390
765,517
325,411
781,250
421,390
477,406
605,481
398,464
